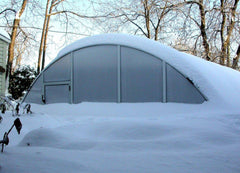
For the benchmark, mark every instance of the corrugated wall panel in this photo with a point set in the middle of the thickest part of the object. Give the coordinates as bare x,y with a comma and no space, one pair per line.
141,76
95,74
59,71
35,94
181,90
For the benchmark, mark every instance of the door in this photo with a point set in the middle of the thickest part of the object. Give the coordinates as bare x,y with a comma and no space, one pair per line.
57,93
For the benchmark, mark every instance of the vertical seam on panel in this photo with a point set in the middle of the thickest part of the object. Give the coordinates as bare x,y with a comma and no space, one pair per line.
43,87
71,82
164,82
119,73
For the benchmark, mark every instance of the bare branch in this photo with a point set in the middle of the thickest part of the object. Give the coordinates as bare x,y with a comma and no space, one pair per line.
8,9
111,15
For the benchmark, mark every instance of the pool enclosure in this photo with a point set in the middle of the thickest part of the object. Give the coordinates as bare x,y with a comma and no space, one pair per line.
113,68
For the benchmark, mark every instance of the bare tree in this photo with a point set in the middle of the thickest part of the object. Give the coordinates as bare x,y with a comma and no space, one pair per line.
50,6
52,10
149,18
15,26
21,44
201,24
42,37
205,28
229,12
215,25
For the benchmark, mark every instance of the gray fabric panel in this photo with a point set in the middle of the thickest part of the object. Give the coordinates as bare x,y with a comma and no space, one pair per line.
35,93
95,74
141,76
57,93
59,70
180,90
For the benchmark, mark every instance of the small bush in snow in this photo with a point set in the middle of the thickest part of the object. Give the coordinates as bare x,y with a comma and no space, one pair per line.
20,81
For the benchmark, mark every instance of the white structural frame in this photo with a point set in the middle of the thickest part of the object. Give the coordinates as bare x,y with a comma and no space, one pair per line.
118,73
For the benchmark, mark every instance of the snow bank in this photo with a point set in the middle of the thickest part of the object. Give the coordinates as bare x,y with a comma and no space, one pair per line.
134,135
108,137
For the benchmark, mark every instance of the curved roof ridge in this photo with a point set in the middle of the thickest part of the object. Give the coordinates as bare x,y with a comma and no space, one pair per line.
119,39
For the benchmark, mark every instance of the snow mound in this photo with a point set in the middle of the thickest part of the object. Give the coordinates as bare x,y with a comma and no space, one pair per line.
119,138
131,135
54,139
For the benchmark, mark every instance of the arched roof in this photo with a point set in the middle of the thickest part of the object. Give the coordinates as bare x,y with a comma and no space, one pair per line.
214,81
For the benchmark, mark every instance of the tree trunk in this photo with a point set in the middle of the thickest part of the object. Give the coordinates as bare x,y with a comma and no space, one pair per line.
225,54
42,39
46,34
203,30
11,48
156,34
230,30
236,58
12,43
147,17
223,49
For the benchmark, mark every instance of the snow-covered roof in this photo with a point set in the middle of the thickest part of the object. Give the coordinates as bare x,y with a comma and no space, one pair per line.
219,84
4,36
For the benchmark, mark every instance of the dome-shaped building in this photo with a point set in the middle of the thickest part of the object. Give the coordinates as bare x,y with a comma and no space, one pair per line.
122,68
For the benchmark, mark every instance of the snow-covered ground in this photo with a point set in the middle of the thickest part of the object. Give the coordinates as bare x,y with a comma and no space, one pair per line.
111,137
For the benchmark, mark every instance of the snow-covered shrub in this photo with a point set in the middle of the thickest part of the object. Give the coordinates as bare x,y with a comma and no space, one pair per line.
20,81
